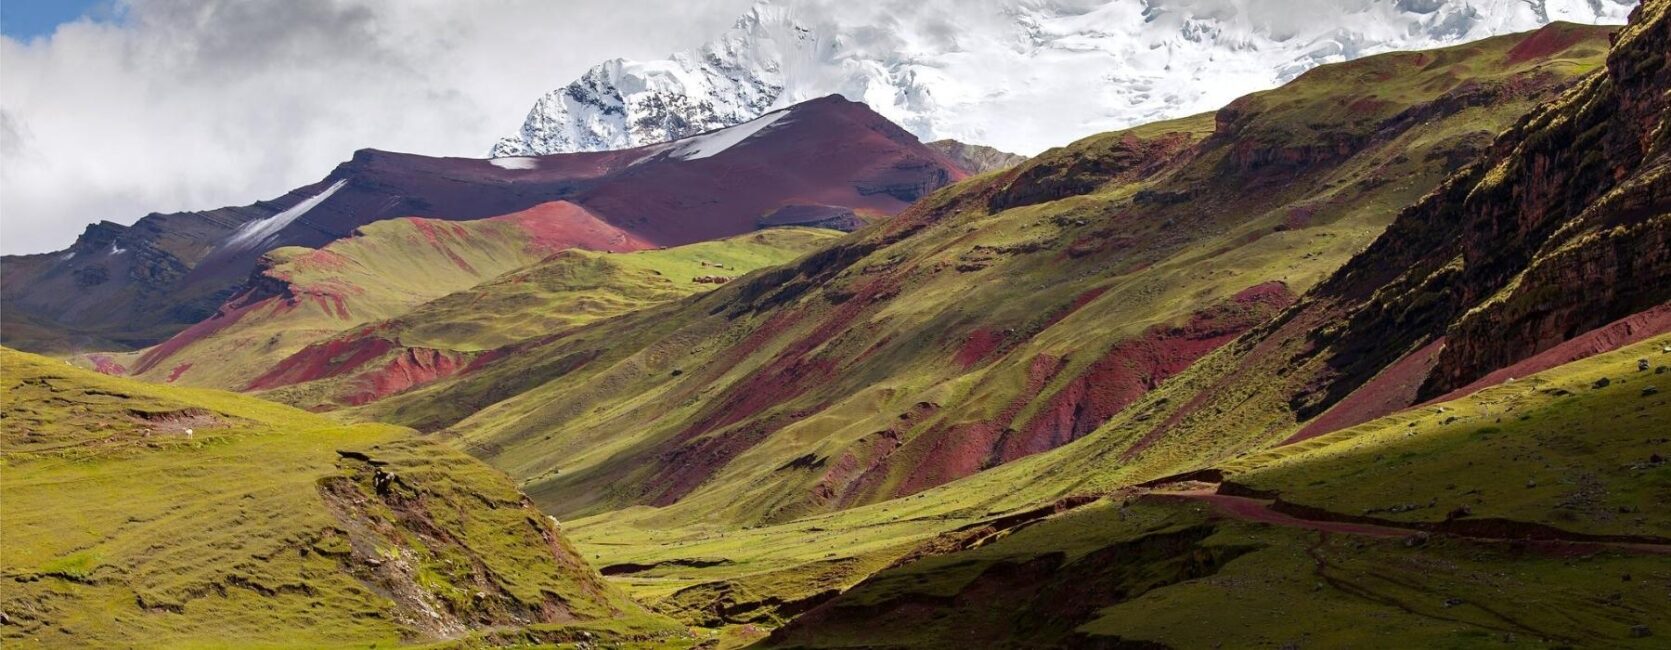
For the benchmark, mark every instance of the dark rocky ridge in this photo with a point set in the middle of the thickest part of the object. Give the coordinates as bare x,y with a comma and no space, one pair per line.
1561,229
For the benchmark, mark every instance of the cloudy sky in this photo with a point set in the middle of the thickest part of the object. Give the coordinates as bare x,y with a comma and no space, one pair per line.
110,110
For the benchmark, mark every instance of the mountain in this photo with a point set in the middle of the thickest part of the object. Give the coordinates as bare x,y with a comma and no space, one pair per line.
1389,534
997,319
1020,75
131,286
184,517
451,334
1333,459
297,296
1226,506
978,159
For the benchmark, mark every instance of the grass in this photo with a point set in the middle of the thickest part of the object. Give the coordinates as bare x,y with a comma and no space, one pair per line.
1269,585
1559,450
1057,284
797,431
703,406
253,529
389,268
577,286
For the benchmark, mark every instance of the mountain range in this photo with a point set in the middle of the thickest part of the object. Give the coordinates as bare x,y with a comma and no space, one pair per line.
132,286
1373,357
1019,75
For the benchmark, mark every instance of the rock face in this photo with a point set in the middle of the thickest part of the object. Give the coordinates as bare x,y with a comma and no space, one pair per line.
1558,233
976,158
813,216
1022,75
120,287
1561,229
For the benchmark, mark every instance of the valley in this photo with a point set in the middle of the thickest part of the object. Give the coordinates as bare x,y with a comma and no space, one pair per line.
1379,357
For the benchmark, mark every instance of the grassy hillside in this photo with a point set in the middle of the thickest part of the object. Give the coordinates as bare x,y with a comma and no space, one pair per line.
300,296
998,319
476,325
192,518
1526,514
1531,450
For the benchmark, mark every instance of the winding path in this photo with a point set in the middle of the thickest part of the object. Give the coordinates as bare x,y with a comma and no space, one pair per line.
1260,510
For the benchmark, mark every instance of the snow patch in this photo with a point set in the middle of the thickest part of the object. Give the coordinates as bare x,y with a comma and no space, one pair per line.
1020,75
255,233
114,250
515,163
712,144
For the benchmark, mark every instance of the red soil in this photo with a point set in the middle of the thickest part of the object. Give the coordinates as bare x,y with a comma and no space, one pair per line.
105,364
326,359
428,228
1247,509
1368,106
1133,367
863,162
558,225
693,455
980,343
409,368
1294,329
177,371
1298,218
1393,390
1543,43
229,313
963,448
1607,338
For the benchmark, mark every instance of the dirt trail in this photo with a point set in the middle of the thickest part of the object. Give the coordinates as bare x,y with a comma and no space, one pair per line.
1260,510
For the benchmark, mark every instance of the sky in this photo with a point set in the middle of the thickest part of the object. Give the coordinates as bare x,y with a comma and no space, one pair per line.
112,109
26,19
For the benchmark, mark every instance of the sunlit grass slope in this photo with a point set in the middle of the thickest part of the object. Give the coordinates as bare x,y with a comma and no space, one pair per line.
570,289
138,514
301,295
997,319
1556,451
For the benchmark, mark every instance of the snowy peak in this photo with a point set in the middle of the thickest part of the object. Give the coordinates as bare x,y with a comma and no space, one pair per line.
1020,75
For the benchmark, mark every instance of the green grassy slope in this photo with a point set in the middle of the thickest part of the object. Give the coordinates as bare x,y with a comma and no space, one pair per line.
1570,469
1166,568
565,291
578,286
301,296
1004,317
138,513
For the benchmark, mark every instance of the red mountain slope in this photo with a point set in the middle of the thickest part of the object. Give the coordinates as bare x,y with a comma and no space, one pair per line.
132,285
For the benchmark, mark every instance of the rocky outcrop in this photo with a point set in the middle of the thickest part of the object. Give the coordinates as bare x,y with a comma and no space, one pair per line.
977,158
813,216
1561,229
1060,173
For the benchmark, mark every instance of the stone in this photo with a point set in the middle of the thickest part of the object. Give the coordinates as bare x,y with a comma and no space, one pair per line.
1601,383
1650,390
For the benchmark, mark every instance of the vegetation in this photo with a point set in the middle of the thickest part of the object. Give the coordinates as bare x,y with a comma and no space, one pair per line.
187,517
994,320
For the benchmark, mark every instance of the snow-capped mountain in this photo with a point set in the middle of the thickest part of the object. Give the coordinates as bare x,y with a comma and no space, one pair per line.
1020,75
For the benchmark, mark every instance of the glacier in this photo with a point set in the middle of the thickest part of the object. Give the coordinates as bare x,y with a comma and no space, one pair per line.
1019,75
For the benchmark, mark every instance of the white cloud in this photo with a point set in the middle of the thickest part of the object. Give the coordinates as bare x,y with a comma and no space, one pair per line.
187,106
